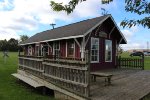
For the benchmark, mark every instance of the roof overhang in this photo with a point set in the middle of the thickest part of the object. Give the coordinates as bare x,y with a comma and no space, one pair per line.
119,30
63,38
124,41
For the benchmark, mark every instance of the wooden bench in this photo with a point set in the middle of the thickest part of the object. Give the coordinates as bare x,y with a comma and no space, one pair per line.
99,74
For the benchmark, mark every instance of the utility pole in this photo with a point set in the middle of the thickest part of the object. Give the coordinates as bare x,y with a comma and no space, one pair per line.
52,24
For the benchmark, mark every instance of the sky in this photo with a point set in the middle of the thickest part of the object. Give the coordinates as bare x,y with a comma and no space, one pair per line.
28,17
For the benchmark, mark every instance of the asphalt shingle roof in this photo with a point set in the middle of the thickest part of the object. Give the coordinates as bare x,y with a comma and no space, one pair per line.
74,29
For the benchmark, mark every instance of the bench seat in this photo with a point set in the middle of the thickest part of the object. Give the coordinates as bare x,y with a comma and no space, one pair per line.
99,74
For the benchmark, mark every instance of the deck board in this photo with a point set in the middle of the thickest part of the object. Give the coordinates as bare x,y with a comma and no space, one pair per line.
28,80
126,85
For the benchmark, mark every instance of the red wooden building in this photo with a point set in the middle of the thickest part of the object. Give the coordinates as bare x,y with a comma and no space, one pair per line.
101,36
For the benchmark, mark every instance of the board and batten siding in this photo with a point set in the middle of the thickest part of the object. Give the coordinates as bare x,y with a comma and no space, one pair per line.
102,64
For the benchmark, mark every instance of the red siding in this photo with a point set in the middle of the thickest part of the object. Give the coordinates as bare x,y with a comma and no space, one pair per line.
77,51
63,48
106,27
102,64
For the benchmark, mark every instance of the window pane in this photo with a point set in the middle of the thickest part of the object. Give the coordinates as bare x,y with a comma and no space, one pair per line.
96,52
71,48
108,50
95,49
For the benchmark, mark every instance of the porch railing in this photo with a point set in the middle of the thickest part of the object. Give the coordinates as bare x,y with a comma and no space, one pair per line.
133,63
70,74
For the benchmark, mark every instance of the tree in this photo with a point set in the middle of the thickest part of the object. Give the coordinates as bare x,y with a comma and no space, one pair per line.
140,7
3,45
23,38
12,45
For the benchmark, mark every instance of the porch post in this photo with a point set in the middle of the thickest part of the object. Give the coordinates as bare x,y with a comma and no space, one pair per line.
83,48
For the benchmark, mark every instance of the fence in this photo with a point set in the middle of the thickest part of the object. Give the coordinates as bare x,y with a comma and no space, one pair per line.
70,74
135,63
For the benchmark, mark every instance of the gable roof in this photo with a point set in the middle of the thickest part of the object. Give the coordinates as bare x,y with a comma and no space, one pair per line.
74,30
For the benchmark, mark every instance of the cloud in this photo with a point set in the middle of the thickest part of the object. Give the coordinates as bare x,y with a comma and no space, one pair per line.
133,45
18,16
131,36
128,33
7,34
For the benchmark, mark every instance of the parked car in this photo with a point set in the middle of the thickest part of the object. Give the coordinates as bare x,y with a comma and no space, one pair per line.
137,54
146,53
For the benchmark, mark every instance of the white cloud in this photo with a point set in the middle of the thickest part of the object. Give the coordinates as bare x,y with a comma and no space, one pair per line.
130,35
27,15
132,45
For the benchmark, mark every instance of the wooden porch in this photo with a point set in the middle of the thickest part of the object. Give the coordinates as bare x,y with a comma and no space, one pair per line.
71,77
127,84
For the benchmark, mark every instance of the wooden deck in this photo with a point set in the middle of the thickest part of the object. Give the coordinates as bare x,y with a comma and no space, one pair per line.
126,85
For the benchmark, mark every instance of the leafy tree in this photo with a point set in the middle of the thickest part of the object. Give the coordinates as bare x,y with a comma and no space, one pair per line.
10,45
13,44
3,45
23,38
140,7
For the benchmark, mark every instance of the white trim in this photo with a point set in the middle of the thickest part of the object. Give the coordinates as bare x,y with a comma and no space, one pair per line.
97,50
77,42
54,47
49,45
111,50
66,48
74,49
98,29
118,29
120,41
41,50
96,25
87,39
48,50
111,31
83,48
55,39
30,47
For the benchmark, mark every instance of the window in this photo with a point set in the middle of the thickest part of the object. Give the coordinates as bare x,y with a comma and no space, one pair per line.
29,50
95,50
71,47
56,48
108,50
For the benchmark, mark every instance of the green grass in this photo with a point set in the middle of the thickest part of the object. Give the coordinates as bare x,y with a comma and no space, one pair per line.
10,87
146,60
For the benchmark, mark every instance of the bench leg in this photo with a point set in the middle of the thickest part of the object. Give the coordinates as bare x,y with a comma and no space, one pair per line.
94,78
109,80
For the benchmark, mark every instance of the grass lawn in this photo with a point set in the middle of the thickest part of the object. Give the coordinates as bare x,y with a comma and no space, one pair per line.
146,60
10,87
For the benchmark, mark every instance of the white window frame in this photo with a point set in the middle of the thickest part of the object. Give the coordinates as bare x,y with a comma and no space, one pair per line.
105,51
73,48
92,38
29,53
54,46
